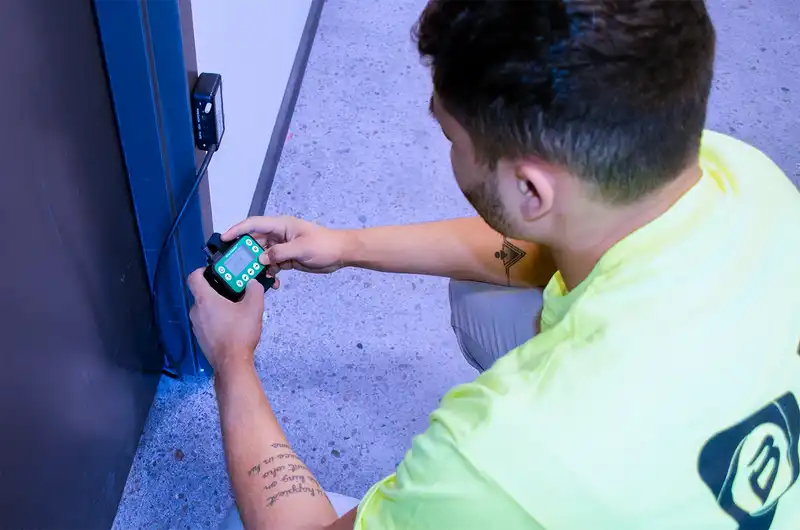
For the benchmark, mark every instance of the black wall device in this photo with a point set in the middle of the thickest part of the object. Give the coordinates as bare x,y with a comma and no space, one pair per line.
234,263
209,118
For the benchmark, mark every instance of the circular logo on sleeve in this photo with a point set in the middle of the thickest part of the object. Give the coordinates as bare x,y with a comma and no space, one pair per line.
751,465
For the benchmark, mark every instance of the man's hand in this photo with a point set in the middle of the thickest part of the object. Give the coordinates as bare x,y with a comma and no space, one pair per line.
227,332
295,244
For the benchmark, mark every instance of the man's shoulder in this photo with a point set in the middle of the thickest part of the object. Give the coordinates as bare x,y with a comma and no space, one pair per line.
747,168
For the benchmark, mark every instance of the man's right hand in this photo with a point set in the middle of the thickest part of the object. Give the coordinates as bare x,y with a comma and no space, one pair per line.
292,243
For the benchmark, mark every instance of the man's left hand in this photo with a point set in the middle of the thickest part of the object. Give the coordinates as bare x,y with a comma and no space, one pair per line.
227,332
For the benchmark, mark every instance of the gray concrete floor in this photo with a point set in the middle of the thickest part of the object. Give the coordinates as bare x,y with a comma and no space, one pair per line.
355,361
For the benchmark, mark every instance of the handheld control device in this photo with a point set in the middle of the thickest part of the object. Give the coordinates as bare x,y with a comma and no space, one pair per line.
231,265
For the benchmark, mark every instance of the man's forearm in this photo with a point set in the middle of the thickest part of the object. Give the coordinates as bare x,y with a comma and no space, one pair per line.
273,488
464,249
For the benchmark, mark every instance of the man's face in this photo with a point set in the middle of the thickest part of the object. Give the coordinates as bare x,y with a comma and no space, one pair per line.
479,184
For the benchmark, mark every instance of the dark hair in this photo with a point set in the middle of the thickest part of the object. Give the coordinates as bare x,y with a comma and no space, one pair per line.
613,90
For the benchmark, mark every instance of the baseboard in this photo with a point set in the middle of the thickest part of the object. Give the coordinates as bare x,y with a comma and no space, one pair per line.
284,119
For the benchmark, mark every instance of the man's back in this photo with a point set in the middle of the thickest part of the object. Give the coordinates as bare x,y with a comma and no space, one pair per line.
661,393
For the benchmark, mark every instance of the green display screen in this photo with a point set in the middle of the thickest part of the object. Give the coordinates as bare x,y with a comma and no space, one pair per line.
241,258
240,264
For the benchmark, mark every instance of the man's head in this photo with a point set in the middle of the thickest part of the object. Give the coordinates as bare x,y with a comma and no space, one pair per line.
554,105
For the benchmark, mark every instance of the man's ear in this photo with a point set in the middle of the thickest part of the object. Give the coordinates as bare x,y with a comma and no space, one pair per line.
537,189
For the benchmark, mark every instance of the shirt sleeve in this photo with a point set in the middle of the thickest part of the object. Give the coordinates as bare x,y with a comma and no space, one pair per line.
438,485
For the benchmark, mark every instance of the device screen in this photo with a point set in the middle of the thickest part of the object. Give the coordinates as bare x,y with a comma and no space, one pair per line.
241,258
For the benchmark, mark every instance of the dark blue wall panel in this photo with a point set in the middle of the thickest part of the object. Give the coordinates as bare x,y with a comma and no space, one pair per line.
144,59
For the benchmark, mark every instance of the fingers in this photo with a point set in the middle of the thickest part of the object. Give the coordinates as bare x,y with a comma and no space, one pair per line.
254,295
295,250
275,268
257,225
198,285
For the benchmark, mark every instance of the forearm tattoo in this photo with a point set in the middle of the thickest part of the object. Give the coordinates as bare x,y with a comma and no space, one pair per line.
284,475
510,255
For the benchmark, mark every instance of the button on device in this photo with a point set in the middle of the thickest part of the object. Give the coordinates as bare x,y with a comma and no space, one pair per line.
245,277
251,272
228,277
221,269
248,242
254,248
207,108
239,283
256,266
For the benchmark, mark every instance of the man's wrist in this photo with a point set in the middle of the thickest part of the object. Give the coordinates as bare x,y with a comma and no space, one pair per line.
351,248
235,365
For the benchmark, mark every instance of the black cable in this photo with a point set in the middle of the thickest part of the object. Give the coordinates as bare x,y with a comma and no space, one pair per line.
172,366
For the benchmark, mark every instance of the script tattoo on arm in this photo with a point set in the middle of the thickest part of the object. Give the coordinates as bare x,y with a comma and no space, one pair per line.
510,255
285,475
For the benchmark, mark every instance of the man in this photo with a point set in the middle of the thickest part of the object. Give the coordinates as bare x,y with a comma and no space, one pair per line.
661,391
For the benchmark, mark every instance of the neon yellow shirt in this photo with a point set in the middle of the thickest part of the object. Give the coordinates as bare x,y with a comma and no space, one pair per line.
661,393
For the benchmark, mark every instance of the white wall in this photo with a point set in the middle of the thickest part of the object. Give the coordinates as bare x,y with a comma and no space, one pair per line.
252,44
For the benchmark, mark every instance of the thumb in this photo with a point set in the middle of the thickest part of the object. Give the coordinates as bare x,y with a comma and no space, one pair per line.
254,295
295,250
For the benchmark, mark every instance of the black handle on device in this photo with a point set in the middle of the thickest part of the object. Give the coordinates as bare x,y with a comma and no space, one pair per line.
266,281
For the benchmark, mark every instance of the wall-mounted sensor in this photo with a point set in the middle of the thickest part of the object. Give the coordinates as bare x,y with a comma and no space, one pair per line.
209,117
